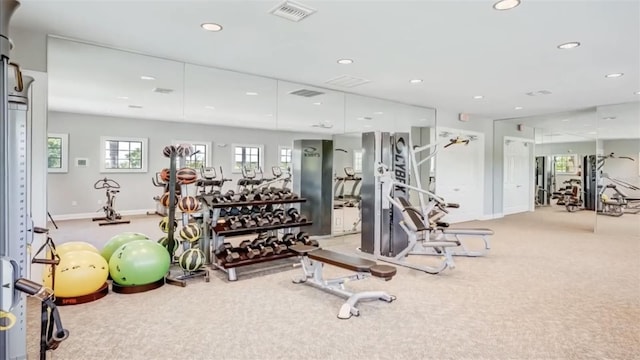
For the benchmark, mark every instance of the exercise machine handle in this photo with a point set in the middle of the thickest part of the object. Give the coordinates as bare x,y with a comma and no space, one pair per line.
106,184
452,205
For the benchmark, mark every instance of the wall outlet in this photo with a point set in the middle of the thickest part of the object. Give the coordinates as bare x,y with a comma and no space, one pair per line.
74,203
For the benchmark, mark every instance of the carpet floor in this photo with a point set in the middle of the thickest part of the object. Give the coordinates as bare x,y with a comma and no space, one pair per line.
550,288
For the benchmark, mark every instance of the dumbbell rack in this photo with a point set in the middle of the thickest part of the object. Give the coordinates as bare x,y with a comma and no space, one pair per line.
211,215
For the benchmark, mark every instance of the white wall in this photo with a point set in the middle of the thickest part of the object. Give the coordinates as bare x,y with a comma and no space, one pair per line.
137,191
30,48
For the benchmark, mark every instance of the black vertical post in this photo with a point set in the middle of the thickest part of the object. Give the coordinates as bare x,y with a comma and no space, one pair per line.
172,202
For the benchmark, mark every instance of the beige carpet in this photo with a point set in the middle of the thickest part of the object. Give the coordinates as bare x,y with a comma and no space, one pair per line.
549,289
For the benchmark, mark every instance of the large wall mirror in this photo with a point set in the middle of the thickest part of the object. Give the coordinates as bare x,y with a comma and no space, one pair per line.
618,169
542,166
100,93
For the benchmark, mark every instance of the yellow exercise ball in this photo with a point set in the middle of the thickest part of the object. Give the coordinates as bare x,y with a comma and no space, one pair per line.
75,246
79,272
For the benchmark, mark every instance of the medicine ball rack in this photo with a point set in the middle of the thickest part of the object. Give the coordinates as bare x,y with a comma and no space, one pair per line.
180,280
214,231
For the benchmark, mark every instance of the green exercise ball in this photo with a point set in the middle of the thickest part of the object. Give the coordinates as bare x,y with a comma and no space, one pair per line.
139,262
115,242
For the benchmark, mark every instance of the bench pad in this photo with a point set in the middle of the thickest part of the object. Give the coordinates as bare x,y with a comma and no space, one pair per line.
341,260
302,249
383,271
462,231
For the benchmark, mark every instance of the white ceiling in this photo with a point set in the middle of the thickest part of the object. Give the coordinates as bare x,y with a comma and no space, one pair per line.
459,48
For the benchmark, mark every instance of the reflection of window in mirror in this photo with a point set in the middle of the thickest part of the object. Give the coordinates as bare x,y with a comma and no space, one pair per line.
57,152
284,157
246,156
200,156
357,161
566,164
122,154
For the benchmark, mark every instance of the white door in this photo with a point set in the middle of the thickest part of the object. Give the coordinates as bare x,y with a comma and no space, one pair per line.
517,182
460,177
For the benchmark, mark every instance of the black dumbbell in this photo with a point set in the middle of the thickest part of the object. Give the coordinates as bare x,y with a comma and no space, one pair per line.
227,253
248,250
289,240
304,238
233,211
280,215
260,221
234,223
247,222
275,244
245,210
295,216
272,220
260,243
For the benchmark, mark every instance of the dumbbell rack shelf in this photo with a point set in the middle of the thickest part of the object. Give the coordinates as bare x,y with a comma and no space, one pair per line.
211,214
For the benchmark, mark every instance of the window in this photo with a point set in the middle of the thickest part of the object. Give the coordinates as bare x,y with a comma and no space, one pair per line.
247,156
57,152
284,157
566,164
201,154
123,154
357,161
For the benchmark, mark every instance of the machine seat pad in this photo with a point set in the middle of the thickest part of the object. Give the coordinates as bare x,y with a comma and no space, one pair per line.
302,249
341,260
383,271
468,231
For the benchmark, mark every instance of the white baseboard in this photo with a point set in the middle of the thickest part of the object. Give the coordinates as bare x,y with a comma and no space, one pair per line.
98,214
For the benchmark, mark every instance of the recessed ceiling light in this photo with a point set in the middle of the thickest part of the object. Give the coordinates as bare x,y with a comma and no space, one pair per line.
569,45
210,107
614,75
317,103
147,77
135,106
637,92
478,97
609,118
518,108
123,97
367,126
566,120
251,93
211,27
416,81
592,133
345,61
586,125
506,4
378,113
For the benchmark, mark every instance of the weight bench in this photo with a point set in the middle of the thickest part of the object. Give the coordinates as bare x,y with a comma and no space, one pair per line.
312,260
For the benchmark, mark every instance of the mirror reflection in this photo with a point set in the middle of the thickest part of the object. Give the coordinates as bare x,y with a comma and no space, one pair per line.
546,167
618,169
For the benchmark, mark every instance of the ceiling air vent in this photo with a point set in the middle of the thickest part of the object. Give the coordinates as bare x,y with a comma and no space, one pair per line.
162,90
306,93
323,125
135,106
292,11
347,81
540,92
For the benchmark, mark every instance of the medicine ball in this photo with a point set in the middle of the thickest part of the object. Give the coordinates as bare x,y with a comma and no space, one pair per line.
188,204
164,241
169,150
184,150
190,233
186,176
164,224
164,199
191,260
165,175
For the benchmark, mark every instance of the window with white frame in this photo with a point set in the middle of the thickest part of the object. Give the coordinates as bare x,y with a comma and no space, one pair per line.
357,161
246,156
284,157
201,155
566,164
120,154
57,153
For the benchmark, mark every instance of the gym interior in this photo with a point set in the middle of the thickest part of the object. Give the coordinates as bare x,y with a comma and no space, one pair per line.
377,179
